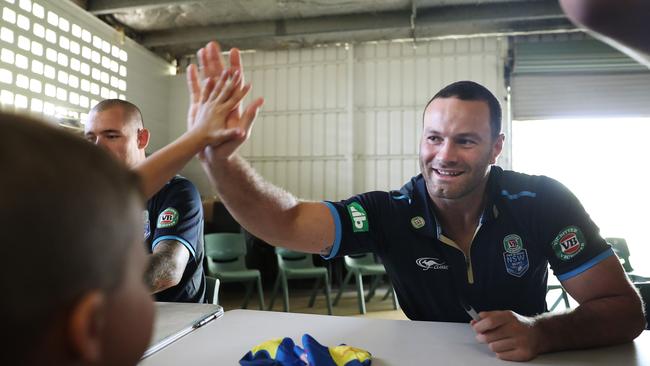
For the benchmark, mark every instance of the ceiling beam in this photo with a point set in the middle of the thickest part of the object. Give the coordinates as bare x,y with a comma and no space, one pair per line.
430,22
101,7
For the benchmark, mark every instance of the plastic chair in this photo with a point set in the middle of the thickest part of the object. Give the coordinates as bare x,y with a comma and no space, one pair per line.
212,290
619,245
360,265
297,265
225,253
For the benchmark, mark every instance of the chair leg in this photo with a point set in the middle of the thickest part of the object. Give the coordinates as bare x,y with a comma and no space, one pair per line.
312,298
395,302
249,292
565,297
285,292
260,292
342,288
276,287
390,290
360,297
562,297
328,297
373,287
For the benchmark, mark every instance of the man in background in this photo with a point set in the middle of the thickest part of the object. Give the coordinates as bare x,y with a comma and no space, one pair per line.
173,221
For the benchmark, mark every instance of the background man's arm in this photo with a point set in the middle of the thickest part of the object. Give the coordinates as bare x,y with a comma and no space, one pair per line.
167,264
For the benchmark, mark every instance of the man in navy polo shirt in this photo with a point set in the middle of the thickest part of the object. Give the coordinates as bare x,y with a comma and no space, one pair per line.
173,221
462,232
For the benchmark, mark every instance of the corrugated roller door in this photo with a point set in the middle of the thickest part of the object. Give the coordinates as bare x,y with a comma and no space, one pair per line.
577,78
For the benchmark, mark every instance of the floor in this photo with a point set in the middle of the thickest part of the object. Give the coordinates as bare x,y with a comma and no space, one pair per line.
231,297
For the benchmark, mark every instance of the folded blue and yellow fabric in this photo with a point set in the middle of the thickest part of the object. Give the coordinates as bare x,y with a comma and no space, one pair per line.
284,352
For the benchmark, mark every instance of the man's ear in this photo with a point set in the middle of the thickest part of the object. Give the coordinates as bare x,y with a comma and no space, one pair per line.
143,138
496,149
86,325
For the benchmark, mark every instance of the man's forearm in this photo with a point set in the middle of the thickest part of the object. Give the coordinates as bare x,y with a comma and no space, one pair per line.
599,322
267,211
255,203
162,273
162,165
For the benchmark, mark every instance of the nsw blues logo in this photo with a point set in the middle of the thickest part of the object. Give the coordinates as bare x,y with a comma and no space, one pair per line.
515,256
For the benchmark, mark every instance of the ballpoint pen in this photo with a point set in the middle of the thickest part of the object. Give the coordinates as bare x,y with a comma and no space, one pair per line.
469,309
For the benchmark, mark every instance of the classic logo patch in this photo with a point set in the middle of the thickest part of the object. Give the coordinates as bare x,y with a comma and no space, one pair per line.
167,218
147,226
513,243
516,263
428,263
417,222
568,243
359,218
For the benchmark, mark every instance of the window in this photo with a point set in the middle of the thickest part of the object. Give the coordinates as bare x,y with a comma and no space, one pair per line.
37,105
7,56
22,81
35,86
37,48
9,15
6,76
6,97
37,67
38,11
53,66
52,18
23,22
591,150
20,101
7,35
22,62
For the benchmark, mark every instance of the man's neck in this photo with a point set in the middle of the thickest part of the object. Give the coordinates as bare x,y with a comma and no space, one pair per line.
459,218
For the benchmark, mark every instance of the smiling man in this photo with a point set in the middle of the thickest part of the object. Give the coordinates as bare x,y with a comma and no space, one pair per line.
464,231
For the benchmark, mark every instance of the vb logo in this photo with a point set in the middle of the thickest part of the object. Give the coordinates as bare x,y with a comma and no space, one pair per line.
359,218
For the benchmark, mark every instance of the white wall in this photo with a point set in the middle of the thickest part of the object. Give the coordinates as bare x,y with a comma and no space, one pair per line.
339,121
146,74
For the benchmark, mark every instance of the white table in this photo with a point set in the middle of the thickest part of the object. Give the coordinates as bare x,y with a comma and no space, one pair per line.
391,342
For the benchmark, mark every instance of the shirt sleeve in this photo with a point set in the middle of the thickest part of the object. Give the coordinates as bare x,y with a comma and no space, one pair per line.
180,216
358,223
573,241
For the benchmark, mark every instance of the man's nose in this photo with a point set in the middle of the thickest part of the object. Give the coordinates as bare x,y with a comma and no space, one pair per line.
447,152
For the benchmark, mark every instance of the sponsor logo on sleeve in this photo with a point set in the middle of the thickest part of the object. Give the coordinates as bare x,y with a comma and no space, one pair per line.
359,218
147,225
515,256
167,218
568,243
417,222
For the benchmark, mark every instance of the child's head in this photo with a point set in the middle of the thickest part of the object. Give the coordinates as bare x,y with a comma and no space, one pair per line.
73,261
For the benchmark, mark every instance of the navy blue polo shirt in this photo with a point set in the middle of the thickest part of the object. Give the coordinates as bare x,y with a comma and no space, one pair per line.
176,213
528,222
